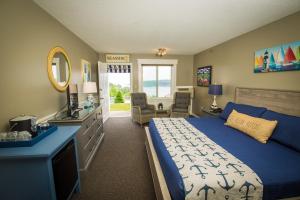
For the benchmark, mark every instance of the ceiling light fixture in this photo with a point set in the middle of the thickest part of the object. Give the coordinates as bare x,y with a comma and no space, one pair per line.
161,52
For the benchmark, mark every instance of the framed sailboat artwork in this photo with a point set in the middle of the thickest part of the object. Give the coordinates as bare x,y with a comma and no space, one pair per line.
285,57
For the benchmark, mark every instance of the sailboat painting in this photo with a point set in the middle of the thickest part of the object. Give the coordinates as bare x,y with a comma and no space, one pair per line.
280,58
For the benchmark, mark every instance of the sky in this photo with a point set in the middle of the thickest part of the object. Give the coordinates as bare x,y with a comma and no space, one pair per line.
149,73
119,78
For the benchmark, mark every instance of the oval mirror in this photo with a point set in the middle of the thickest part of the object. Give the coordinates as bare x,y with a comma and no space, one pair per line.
59,68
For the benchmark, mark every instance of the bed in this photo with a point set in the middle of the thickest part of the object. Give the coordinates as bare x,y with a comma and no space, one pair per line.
278,174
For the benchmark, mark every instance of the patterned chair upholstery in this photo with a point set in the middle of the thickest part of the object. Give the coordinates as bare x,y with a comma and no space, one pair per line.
141,111
181,105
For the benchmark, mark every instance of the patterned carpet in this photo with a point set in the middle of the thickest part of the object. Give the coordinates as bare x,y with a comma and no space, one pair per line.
120,169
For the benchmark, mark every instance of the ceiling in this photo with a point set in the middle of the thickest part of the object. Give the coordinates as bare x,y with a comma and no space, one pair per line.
181,26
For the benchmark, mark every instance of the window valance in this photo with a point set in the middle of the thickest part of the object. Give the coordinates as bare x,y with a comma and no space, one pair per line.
119,68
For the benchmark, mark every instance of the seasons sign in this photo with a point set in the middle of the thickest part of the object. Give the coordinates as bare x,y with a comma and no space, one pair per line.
112,58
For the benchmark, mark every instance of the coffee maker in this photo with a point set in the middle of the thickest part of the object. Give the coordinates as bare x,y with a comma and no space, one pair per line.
23,123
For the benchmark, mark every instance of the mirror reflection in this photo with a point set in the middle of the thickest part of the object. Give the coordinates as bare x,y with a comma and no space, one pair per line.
60,69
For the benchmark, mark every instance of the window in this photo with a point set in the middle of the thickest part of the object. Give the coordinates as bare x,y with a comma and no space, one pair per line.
55,71
157,80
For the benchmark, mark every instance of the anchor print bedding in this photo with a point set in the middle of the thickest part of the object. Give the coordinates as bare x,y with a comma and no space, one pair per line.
208,171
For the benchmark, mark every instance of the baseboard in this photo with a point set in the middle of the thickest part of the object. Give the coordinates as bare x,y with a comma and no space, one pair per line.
195,115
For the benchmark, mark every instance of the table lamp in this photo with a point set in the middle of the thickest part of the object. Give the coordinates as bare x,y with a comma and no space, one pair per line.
90,88
215,90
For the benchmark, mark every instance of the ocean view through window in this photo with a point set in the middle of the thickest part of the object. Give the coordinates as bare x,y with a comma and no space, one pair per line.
157,81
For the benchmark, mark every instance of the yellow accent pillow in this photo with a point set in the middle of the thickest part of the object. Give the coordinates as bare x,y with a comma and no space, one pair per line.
258,128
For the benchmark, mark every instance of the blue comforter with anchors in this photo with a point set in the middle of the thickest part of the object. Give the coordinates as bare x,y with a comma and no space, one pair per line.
274,165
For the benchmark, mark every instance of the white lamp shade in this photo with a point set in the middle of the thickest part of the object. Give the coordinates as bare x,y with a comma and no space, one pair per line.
89,87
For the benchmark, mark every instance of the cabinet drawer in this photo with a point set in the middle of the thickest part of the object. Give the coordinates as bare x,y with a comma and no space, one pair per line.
99,114
90,148
86,124
99,130
85,152
85,138
98,124
89,121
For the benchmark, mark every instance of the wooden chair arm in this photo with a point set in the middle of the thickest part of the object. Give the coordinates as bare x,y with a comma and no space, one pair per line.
138,108
172,107
151,107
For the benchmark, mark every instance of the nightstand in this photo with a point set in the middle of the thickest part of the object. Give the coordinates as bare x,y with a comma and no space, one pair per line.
162,113
208,112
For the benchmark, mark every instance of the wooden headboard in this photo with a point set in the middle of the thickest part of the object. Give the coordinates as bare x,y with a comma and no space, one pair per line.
282,101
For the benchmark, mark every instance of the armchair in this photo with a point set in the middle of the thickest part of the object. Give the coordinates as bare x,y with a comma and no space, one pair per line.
181,105
141,111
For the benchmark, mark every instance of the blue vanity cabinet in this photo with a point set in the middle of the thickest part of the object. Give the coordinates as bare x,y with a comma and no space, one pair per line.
28,172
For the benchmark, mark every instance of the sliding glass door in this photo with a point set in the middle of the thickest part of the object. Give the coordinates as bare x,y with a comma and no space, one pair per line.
164,74
149,81
157,80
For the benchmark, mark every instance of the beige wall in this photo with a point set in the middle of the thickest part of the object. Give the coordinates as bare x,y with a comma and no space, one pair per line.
233,62
184,69
27,34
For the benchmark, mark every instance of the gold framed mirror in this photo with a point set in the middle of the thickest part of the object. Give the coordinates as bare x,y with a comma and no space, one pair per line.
59,68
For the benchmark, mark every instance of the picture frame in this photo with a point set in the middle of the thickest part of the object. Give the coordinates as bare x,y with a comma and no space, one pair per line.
204,76
285,57
86,70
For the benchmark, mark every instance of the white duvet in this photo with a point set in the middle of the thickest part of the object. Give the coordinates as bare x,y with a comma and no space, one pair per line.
208,171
